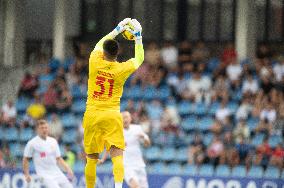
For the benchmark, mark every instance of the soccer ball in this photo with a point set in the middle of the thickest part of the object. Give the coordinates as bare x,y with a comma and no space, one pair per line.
128,35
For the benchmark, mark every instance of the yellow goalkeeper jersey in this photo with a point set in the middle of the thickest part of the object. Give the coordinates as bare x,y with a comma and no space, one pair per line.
106,81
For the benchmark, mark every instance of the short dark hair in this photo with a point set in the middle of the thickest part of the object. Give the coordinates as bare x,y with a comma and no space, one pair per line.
41,122
111,47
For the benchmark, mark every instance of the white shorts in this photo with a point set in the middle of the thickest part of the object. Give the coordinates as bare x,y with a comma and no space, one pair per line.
138,174
58,182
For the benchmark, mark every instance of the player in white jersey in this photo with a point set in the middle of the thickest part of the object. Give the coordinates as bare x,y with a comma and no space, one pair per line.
44,151
134,165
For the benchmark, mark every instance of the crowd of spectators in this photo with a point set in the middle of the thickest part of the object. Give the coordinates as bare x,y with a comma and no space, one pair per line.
193,75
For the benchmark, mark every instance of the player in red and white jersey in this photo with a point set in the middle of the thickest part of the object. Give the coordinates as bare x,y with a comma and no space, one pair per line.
45,153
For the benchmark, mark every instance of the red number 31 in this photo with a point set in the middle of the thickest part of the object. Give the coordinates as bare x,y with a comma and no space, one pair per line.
100,82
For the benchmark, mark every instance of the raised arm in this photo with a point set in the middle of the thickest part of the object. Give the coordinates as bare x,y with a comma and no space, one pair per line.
139,50
119,28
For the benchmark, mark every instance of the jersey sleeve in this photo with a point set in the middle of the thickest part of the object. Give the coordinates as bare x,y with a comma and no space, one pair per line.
57,149
140,131
28,152
128,68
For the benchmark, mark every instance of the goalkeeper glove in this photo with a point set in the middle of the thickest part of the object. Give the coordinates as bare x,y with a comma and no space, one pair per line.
121,26
136,31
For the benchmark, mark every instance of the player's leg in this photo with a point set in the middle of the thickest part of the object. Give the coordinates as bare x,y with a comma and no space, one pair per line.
143,180
63,182
131,177
90,169
93,145
50,183
116,155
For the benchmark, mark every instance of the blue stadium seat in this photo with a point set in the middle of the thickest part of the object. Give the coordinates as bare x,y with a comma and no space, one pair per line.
212,64
79,166
252,123
272,172
164,93
239,171
282,175
205,123
174,169
153,153
11,134
78,92
132,93
26,134
159,168
222,171
69,136
16,149
78,107
68,62
168,154
189,123
255,172
274,140
149,93
200,109
69,120
184,108
233,106
181,155
54,64
206,170
22,104
213,108
207,139
190,170
257,139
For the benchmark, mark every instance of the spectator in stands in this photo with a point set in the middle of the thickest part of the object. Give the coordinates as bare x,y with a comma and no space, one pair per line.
250,85
152,54
263,153
169,55
70,156
9,112
266,84
199,88
178,84
46,77
229,155
241,131
229,53
184,52
244,151
64,101
71,77
170,120
221,88
263,52
155,110
55,127
50,99
278,125
215,150
10,161
28,85
60,74
234,72
244,110
200,54
223,112
2,161
277,158
196,150
36,110
278,69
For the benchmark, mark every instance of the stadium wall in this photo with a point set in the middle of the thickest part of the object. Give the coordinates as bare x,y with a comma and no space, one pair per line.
15,178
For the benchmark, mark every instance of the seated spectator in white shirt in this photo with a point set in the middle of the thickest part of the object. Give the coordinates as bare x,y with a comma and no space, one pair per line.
234,71
244,109
199,87
278,70
268,113
250,86
9,112
169,55
223,112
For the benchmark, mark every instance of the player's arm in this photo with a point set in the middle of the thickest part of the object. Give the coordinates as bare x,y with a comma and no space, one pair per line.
119,28
144,137
104,158
139,50
28,153
26,168
64,166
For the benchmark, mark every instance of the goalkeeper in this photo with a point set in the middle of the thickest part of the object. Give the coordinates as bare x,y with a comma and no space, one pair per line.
102,122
